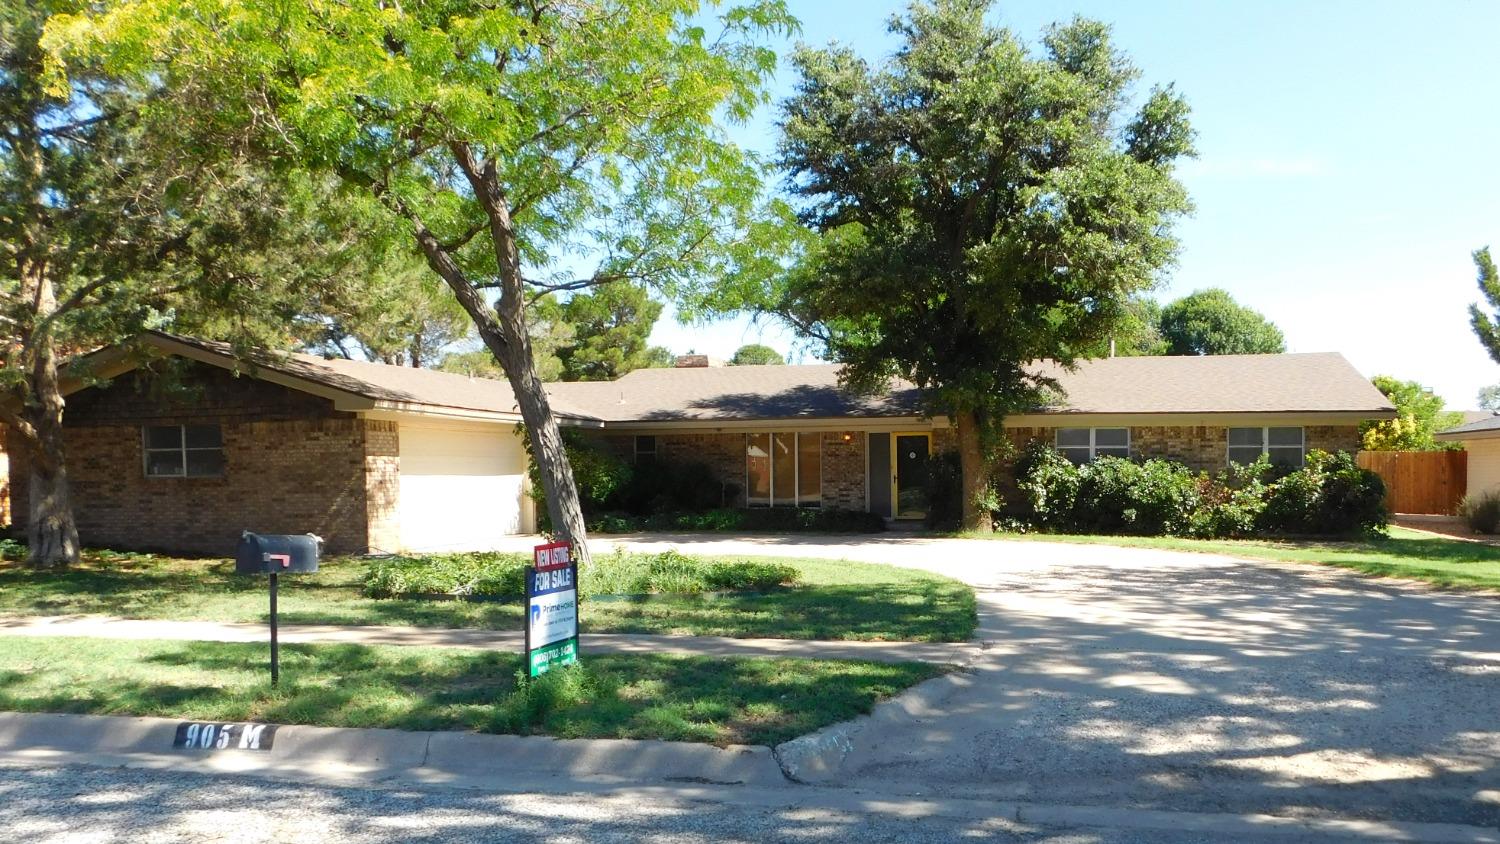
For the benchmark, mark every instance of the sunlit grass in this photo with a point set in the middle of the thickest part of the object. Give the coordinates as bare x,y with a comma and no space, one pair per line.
834,600
719,700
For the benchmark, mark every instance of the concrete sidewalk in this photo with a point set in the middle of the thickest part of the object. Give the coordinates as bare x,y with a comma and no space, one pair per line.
106,627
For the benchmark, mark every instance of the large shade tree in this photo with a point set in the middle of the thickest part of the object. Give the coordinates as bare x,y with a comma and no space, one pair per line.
516,140
1211,322
978,206
106,229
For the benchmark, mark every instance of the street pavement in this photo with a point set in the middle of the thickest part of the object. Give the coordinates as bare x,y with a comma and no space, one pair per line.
1191,682
76,804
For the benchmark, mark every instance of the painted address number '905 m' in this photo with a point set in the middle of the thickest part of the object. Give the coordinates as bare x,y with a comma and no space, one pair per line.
197,735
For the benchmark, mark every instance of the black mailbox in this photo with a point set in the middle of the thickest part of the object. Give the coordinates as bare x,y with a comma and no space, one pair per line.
274,553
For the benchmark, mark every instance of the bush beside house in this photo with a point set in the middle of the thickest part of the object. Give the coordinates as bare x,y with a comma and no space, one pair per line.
1329,495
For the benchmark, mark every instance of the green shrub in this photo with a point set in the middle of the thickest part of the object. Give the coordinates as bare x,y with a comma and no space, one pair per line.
1048,483
1230,505
1116,495
487,574
1330,495
601,475
671,485
619,573
749,577
1481,512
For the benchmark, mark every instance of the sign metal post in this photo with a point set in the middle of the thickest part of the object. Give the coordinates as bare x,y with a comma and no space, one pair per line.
275,646
551,609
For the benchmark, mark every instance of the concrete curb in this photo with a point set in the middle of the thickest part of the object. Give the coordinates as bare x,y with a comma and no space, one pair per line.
380,754
818,757
109,627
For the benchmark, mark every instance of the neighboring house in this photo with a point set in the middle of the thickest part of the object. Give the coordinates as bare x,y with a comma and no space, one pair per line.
383,458
1480,437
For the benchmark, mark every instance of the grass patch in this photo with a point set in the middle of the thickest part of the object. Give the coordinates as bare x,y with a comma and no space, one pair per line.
720,701
1405,553
833,600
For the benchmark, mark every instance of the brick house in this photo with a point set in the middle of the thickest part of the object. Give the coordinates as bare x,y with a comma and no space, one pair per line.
788,435
177,444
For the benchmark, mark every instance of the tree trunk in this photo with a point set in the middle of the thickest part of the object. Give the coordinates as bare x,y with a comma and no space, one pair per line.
503,330
51,533
975,461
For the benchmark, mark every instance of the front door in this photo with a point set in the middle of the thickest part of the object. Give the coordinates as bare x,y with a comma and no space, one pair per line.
911,474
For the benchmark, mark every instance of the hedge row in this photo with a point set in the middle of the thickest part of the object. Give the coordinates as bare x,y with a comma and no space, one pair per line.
1329,495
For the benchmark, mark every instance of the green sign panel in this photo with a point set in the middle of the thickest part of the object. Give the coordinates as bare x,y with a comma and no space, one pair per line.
551,656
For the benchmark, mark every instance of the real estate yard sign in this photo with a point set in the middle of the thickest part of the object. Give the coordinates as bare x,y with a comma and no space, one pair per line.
551,609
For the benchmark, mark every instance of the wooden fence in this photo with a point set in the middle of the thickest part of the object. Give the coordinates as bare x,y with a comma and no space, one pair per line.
1420,481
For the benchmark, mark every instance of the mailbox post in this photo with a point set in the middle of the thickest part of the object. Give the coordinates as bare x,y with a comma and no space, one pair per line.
276,554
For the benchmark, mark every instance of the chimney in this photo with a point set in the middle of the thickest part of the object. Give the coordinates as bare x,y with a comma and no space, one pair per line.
695,362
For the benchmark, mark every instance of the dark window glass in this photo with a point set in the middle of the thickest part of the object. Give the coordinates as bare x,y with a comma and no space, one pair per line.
205,462
204,436
164,436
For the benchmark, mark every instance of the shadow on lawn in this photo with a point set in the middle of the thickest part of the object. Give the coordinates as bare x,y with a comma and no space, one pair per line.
721,700
912,610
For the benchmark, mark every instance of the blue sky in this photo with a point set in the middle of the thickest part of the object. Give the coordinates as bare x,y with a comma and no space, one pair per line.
1347,165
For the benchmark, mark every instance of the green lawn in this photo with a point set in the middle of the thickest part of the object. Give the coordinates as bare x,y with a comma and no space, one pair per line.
1405,553
721,700
836,600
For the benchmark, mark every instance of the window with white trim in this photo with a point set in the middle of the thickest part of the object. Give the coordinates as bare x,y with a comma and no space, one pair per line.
1284,446
183,451
1081,445
784,470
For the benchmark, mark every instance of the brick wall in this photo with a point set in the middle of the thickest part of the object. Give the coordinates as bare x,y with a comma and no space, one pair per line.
292,464
1202,448
382,453
844,470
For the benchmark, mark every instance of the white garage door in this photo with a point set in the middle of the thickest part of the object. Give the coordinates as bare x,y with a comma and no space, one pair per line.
461,486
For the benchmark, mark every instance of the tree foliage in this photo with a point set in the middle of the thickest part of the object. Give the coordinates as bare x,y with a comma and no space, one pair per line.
610,330
1211,322
515,141
1419,415
1489,397
108,228
397,313
1137,334
1486,327
756,354
978,205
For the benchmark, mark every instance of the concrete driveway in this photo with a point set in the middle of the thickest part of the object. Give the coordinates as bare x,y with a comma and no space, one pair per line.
1189,682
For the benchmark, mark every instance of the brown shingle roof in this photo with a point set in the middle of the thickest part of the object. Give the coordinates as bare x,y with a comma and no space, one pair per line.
1319,382
1312,383
376,381
730,393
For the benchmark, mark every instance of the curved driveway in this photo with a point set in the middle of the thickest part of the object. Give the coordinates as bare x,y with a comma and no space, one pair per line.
1184,681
